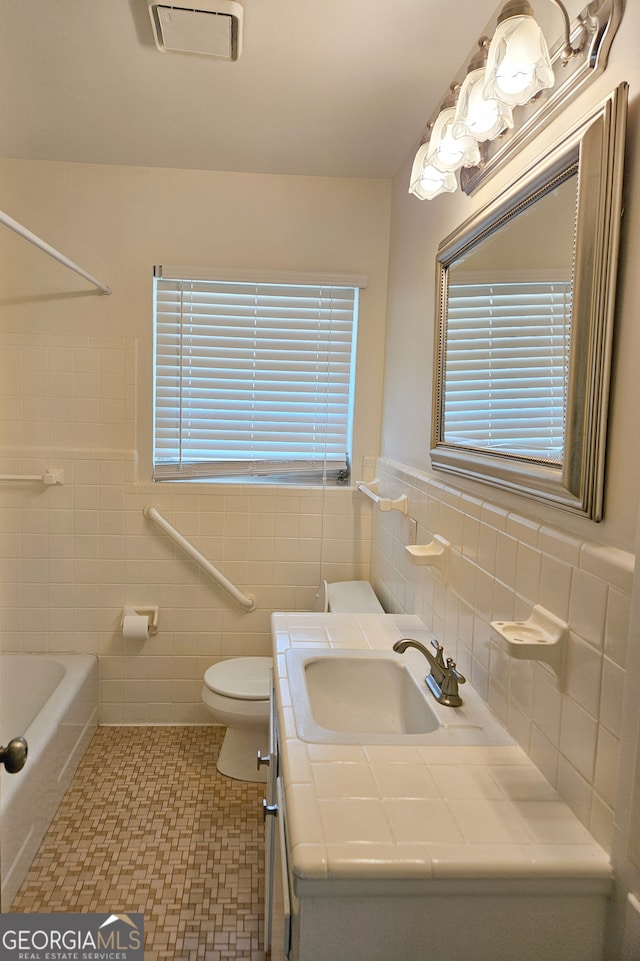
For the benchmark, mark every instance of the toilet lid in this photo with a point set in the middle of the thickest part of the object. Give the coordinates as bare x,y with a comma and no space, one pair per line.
247,678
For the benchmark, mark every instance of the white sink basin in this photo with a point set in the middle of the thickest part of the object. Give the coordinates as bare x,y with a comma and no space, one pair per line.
366,695
377,697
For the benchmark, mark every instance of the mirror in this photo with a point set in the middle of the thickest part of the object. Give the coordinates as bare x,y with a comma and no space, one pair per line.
526,293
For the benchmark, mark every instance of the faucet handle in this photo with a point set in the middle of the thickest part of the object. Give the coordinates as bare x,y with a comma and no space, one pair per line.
439,649
451,666
450,683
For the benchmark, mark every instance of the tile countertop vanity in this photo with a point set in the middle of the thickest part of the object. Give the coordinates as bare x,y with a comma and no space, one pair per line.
429,847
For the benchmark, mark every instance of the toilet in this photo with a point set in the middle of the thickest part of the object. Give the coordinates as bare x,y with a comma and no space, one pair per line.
236,691
347,597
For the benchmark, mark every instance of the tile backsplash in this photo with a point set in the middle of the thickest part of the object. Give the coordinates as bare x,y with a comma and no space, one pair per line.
500,565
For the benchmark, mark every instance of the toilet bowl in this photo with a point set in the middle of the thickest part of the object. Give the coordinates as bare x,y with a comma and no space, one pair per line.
236,691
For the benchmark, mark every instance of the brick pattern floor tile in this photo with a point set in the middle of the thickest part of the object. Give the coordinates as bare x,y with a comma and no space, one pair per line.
148,824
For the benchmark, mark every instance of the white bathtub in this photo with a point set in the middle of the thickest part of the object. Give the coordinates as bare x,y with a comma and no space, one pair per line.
52,701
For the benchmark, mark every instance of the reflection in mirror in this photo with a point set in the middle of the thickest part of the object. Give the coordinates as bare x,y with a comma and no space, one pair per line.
506,362
526,292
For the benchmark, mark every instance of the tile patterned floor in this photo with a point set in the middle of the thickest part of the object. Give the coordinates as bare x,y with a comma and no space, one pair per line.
149,825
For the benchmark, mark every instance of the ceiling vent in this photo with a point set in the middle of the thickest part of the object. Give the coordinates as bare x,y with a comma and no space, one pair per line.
212,28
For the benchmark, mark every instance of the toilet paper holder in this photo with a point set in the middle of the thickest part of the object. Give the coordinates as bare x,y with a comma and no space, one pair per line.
151,613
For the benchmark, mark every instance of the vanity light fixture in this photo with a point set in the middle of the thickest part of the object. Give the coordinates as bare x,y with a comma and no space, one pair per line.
475,127
518,61
426,180
446,151
482,117
436,161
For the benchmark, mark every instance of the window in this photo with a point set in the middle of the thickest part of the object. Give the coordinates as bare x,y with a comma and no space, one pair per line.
253,377
507,364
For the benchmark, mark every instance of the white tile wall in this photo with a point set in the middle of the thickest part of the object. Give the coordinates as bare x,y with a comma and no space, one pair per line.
500,565
72,556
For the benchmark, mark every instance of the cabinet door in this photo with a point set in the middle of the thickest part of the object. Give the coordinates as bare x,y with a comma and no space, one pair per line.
270,808
281,904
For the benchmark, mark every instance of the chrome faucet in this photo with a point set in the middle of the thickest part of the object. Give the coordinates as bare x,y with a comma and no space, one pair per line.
443,679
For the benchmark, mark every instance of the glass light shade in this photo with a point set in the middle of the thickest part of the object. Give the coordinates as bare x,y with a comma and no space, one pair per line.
518,63
475,115
427,181
449,153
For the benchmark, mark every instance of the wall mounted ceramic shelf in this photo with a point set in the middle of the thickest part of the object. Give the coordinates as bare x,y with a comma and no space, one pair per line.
434,554
543,637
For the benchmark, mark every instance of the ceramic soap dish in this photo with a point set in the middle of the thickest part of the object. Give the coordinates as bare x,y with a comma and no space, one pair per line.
434,554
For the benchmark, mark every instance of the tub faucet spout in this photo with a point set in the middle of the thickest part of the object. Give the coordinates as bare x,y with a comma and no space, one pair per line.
443,678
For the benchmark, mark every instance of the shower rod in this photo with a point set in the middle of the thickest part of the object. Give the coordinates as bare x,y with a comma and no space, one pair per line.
48,249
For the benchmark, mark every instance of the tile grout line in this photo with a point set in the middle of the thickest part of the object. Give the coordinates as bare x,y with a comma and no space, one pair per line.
148,823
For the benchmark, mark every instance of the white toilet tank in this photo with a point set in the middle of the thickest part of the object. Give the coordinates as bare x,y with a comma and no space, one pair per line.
347,597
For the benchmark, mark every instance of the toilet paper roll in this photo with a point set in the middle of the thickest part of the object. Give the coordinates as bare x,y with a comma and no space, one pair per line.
135,627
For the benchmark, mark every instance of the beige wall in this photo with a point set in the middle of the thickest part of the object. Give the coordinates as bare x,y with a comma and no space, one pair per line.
75,392
117,222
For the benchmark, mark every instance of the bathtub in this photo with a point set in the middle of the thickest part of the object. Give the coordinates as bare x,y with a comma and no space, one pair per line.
51,700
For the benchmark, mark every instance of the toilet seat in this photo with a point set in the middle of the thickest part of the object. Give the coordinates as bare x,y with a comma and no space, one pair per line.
244,678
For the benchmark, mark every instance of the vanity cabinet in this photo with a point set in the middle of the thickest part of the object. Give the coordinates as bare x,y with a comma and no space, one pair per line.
479,920
453,847
427,919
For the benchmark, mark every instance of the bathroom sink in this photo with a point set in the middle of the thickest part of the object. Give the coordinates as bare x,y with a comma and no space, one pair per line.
342,696
366,695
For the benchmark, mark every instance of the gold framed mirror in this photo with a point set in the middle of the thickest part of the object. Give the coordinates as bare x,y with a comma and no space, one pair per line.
525,309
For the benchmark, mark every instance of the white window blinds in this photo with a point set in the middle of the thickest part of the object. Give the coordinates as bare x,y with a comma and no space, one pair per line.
253,378
507,364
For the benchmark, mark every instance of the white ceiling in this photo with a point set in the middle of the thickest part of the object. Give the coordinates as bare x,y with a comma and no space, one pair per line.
322,87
